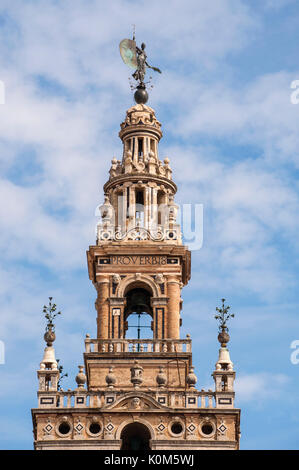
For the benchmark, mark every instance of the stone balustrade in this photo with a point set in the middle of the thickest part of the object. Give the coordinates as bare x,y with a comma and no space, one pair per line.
85,399
153,346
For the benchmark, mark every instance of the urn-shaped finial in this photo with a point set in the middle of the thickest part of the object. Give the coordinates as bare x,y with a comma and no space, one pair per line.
223,315
50,314
106,210
136,374
161,377
223,337
81,377
110,378
49,335
191,378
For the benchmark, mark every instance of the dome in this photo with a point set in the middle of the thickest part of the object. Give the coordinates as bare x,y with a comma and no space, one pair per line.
140,115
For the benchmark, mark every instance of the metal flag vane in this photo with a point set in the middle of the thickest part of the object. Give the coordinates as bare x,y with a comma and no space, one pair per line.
136,58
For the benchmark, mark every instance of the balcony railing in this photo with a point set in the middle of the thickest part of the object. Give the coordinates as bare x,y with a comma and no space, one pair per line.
69,399
153,346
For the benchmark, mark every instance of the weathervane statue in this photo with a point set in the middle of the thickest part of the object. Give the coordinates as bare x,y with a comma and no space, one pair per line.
135,57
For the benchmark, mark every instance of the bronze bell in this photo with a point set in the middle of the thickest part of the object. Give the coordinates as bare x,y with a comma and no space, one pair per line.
139,301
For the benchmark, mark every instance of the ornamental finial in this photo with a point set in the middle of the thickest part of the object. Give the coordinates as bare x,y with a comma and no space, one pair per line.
50,314
223,316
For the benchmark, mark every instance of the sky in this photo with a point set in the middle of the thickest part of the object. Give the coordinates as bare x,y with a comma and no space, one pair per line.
230,130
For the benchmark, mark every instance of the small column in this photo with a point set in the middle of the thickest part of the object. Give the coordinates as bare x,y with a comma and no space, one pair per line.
114,201
135,147
154,207
173,314
103,307
146,207
116,307
160,318
144,149
122,209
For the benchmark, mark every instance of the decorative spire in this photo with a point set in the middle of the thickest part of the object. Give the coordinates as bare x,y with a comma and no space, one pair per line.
49,361
224,375
224,362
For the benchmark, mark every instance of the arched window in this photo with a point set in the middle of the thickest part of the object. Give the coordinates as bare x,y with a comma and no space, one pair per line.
138,314
139,207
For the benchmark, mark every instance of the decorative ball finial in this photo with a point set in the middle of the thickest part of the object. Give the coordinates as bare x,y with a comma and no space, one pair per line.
141,95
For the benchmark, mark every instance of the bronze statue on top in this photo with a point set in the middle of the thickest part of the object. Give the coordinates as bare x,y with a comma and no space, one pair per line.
135,57
139,73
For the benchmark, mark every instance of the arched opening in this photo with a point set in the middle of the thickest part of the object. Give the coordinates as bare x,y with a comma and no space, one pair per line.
138,308
224,383
135,436
140,148
139,208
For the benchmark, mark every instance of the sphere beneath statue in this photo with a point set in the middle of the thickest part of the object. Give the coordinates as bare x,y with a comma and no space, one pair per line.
141,95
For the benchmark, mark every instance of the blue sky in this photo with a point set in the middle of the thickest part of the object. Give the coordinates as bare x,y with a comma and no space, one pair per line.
231,134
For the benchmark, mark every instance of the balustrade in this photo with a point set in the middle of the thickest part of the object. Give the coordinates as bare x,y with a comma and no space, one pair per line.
67,399
138,345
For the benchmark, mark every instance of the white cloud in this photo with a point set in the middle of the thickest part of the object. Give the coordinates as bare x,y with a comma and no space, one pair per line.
259,387
249,213
258,114
277,4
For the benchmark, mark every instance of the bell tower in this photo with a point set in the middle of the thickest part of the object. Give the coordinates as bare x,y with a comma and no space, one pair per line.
139,264
140,383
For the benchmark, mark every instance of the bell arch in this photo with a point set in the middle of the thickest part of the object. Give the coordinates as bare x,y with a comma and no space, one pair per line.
134,281
138,312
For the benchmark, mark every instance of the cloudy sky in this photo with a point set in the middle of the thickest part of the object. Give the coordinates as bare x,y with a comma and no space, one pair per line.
231,133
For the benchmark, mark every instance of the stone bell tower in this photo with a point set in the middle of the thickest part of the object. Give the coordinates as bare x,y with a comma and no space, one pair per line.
139,263
140,389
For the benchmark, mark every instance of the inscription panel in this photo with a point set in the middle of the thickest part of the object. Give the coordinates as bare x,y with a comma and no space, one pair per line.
138,260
